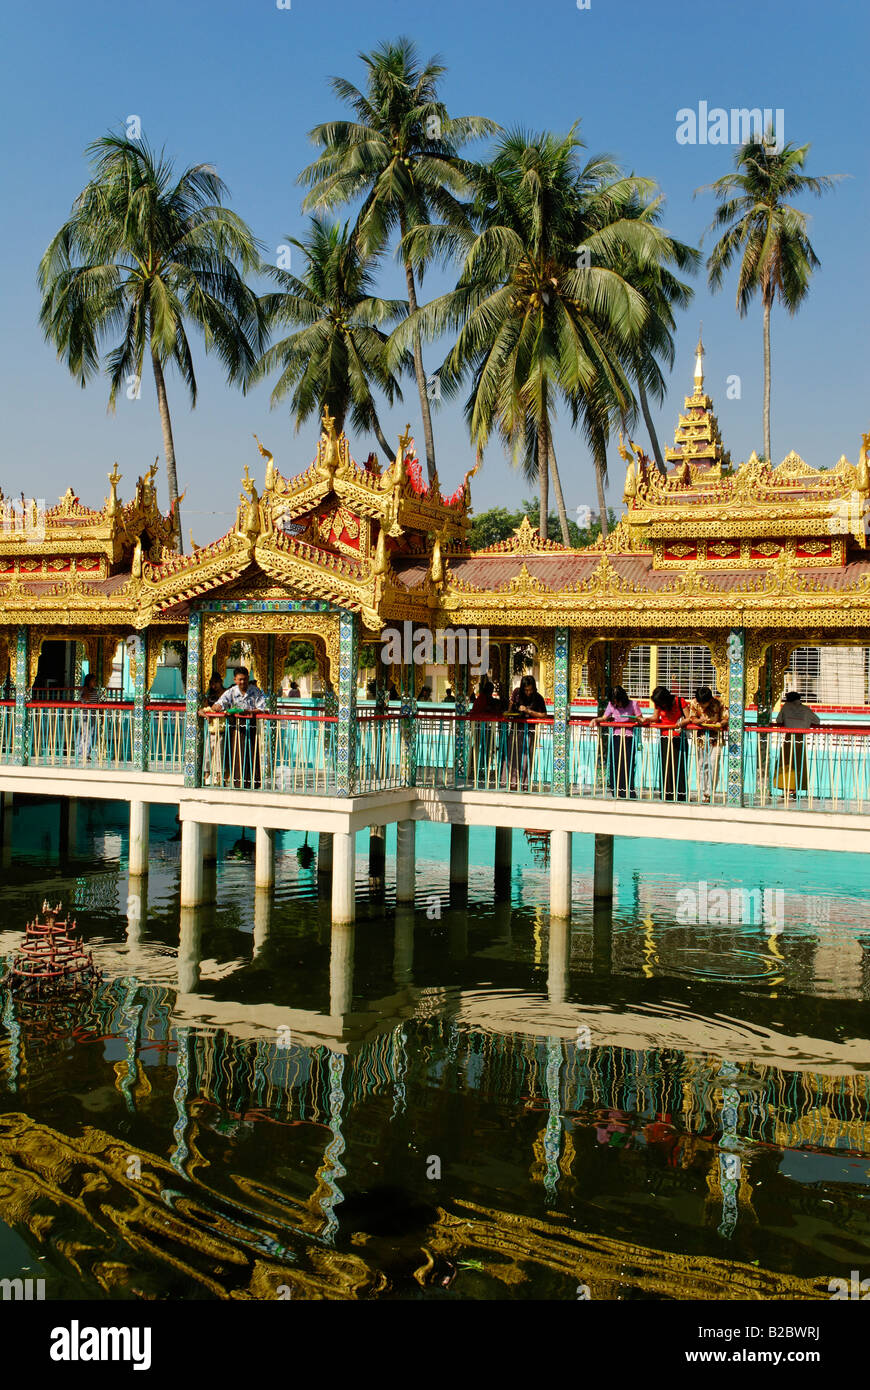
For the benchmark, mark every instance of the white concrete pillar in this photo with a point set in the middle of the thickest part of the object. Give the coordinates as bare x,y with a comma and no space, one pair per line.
406,860
189,946
191,863
139,827
341,966
262,919
602,877
403,945
324,852
459,854
264,864
343,876
560,874
209,843
558,952
7,802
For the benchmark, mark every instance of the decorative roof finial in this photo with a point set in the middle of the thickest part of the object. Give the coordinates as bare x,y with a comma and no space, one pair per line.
699,364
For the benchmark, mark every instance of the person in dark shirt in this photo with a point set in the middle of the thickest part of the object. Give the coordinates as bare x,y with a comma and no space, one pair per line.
526,704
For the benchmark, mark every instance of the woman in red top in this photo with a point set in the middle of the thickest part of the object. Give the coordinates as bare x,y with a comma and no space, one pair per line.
487,707
669,711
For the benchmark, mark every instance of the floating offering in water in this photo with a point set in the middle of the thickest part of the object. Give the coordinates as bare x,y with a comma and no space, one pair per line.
51,959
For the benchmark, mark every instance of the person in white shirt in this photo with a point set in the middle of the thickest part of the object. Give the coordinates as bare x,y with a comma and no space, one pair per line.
241,749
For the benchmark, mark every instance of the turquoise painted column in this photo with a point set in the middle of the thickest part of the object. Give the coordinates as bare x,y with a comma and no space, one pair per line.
736,713
268,725
138,675
193,731
561,706
21,731
462,706
348,664
408,716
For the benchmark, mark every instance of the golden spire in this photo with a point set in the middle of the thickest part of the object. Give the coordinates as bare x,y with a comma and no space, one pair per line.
114,479
270,465
863,465
699,363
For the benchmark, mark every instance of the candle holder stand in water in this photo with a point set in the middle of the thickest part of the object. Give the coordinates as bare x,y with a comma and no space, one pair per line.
51,962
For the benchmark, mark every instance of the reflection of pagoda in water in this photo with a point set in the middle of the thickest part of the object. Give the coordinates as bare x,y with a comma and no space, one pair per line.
203,1208
539,843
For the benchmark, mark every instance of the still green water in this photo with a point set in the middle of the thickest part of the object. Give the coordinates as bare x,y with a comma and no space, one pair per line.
455,1101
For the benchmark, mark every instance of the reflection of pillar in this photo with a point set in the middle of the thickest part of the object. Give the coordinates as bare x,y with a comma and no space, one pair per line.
324,852
457,933
69,827
602,936
553,1132
602,877
6,832
377,853
403,946
459,855
137,913
502,916
341,969
406,867
503,851
182,1086
262,919
557,960
191,863
560,874
189,949
838,963
333,1169
139,826
264,863
343,876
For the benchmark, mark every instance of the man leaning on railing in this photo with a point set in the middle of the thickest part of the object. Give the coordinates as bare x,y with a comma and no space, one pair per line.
242,701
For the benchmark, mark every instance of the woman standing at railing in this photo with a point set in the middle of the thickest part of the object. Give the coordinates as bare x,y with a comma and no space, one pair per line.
88,723
796,717
707,716
486,708
670,711
624,715
526,703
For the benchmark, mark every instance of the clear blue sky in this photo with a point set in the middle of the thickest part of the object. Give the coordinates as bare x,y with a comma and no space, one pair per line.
241,82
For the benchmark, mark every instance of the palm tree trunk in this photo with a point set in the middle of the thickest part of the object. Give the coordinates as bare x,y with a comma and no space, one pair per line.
600,471
560,500
419,373
543,476
651,429
767,382
168,448
389,454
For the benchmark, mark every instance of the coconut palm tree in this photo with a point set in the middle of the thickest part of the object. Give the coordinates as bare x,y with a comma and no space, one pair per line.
401,156
766,232
337,355
535,322
663,291
143,255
